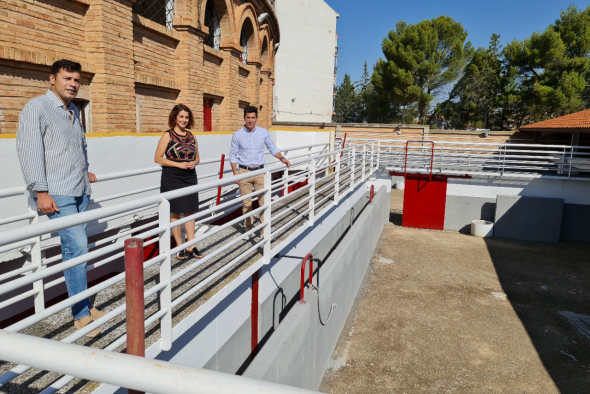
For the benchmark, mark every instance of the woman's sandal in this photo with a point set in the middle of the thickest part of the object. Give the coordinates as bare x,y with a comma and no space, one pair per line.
194,253
183,255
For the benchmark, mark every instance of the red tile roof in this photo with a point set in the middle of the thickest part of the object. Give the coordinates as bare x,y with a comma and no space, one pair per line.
578,122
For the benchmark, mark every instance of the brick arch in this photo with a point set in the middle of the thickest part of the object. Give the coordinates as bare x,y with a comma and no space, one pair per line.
246,15
226,20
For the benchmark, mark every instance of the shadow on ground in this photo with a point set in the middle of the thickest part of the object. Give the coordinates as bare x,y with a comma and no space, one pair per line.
540,280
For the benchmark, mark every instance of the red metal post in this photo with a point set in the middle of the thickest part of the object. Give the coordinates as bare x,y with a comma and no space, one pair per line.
310,258
254,315
343,142
135,311
372,194
220,177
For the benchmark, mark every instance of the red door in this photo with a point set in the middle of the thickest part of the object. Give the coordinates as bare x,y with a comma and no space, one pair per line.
207,121
424,201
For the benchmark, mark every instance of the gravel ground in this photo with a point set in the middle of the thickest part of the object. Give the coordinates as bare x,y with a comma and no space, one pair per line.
61,325
452,313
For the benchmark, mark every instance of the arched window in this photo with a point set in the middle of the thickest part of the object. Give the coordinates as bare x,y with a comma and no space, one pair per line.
159,11
246,39
213,39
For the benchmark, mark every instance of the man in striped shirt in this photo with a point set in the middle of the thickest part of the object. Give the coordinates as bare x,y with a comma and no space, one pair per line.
51,148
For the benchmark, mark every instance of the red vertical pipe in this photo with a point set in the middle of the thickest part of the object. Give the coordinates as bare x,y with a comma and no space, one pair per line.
135,311
343,142
220,177
254,314
305,259
372,194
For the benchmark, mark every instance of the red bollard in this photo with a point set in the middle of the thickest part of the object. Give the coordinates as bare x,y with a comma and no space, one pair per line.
220,177
135,312
372,194
310,258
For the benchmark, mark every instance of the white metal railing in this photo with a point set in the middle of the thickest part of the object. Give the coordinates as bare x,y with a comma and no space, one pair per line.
136,373
461,158
208,199
327,167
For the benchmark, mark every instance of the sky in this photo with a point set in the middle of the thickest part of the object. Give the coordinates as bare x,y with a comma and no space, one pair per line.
363,24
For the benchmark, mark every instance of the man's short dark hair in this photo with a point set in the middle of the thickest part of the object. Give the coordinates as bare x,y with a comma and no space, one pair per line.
67,65
250,109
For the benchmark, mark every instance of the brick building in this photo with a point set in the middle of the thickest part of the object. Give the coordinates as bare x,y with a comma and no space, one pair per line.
140,57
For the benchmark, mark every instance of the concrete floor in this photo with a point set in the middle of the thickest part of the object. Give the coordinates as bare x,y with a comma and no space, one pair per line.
458,314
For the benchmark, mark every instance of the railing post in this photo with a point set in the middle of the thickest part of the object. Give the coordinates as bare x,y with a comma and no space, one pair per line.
569,174
352,169
285,182
267,219
378,154
220,177
311,192
36,258
372,166
337,180
364,162
165,275
135,303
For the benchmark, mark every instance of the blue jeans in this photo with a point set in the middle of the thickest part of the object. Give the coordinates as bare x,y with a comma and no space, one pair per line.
73,244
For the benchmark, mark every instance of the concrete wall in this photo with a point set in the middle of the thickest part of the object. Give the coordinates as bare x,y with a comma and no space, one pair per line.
298,352
528,218
475,199
304,65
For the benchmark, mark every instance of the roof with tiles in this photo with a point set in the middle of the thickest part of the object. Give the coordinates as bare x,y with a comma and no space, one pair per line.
578,122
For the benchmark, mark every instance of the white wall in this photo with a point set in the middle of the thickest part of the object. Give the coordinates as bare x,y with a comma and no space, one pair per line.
571,191
304,64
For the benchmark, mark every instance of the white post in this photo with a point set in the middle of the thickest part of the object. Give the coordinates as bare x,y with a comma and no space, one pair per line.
352,169
337,180
165,276
364,162
378,153
267,212
285,182
311,192
36,258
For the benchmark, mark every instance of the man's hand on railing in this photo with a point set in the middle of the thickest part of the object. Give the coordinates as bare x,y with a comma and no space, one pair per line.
91,177
46,204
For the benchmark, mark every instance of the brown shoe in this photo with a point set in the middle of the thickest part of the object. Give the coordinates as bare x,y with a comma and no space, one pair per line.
96,314
83,322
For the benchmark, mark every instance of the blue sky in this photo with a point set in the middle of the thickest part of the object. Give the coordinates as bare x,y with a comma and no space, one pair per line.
363,24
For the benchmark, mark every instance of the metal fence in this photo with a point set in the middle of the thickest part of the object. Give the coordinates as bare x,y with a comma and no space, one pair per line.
519,160
327,175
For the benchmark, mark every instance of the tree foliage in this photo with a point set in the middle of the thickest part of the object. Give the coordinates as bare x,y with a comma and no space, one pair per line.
347,105
420,60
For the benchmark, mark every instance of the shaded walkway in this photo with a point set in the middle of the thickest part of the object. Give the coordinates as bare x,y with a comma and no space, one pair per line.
454,313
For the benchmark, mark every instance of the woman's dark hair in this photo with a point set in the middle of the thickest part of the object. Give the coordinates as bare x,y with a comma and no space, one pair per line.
67,65
174,114
250,109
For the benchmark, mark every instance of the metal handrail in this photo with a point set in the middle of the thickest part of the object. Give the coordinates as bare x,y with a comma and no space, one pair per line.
431,158
132,372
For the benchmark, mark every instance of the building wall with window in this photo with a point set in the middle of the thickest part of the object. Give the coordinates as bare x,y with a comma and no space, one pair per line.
140,58
306,61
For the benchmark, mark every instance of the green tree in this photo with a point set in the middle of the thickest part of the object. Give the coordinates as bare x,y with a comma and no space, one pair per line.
552,67
374,108
420,60
477,94
347,104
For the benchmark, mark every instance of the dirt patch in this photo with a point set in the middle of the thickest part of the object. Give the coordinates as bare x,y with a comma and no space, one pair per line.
459,314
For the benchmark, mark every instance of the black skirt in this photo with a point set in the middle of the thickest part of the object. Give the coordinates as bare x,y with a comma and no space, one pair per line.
174,178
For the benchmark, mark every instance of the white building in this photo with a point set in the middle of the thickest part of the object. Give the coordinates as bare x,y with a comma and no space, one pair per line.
305,65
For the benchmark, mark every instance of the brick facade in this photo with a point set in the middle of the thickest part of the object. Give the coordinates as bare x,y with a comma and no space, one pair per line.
135,69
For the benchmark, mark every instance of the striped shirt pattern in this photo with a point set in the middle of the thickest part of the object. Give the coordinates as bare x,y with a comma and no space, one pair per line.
51,148
249,145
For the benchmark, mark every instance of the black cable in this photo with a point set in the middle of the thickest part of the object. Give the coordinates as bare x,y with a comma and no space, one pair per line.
319,311
332,307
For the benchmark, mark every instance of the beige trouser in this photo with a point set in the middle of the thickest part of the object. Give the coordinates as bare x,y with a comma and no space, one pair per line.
246,186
